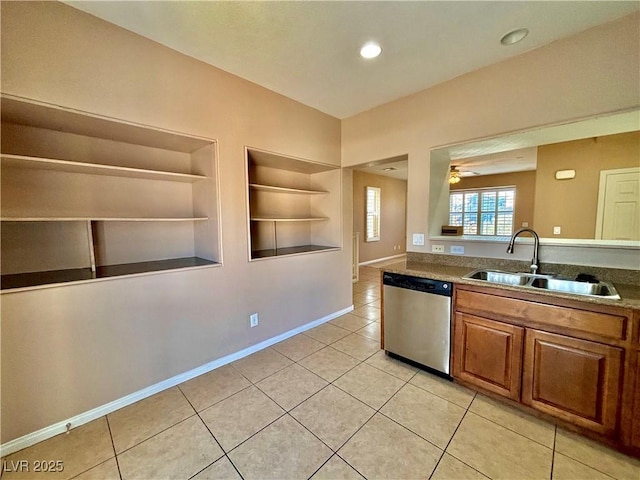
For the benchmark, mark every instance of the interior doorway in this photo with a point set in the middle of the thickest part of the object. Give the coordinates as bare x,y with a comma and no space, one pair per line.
618,216
388,241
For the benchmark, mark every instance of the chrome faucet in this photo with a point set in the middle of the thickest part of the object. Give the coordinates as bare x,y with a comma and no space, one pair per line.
535,265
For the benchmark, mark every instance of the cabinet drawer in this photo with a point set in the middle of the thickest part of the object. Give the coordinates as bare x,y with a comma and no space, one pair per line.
604,325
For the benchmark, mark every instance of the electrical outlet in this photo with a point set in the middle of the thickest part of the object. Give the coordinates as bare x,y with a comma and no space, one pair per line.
437,248
556,230
253,320
457,249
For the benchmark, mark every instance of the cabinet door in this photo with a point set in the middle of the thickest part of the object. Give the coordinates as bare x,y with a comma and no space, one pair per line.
575,380
488,354
635,427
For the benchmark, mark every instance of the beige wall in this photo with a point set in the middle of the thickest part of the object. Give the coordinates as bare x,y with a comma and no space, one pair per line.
572,204
590,73
393,199
525,187
66,350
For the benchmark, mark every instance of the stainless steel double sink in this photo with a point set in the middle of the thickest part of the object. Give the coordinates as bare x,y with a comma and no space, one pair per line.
552,283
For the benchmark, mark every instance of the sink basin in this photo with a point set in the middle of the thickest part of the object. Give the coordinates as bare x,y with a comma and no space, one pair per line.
546,282
600,289
496,276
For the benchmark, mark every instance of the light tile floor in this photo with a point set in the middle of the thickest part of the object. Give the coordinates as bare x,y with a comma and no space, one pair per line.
325,404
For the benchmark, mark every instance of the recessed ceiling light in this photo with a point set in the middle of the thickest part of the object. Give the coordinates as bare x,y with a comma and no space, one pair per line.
388,169
514,36
370,50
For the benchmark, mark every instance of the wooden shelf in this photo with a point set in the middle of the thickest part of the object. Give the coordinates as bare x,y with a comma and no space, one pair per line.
290,251
22,111
87,197
267,218
293,205
34,279
271,188
103,219
285,162
21,161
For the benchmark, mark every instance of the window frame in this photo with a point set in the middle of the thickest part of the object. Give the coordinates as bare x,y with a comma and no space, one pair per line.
373,211
479,211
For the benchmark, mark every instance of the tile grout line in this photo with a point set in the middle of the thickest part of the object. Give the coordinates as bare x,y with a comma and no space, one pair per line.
195,413
510,429
444,451
248,386
335,452
157,433
224,453
115,457
376,411
285,412
368,420
585,464
106,417
345,460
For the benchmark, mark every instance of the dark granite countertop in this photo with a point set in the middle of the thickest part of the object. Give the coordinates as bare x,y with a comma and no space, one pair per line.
630,294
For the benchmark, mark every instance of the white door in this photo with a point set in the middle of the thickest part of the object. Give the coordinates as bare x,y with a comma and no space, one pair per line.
619,205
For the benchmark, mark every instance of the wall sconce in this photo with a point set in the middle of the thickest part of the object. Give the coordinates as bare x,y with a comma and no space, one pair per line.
454,175
565,174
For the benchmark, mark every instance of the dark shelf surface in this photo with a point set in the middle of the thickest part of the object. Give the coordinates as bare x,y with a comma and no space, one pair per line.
22,280
289,251
33,279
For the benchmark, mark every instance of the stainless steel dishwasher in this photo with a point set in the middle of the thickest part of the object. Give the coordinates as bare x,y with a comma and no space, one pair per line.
417,320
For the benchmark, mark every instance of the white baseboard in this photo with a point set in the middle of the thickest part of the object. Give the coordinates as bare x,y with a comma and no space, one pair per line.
60,427
369,262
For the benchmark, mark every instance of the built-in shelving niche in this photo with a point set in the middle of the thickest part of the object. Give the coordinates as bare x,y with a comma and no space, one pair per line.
87,197
293,204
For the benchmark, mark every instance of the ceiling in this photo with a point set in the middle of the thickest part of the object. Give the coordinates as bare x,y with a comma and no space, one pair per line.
308,50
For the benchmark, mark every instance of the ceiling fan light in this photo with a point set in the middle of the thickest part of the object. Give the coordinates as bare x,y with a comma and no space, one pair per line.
454,175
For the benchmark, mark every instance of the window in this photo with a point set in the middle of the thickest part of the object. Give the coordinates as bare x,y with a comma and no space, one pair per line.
373,214
483,211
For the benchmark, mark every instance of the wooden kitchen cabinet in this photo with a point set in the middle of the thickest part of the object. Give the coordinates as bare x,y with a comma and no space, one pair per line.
576,380
635,417
575,361
488,354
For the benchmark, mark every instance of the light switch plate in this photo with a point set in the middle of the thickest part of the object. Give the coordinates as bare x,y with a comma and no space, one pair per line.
418,238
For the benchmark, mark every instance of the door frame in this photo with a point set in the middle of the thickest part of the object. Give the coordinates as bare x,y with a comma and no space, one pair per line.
601,195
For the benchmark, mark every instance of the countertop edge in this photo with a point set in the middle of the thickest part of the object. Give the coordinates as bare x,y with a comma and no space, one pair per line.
630,294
